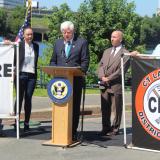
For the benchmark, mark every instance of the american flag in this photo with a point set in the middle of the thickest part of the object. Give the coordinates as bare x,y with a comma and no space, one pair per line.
26,23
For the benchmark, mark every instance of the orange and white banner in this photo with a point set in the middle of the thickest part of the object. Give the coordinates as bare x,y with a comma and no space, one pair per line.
146,102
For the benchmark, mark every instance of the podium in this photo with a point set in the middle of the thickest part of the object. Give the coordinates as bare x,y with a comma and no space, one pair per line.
62,112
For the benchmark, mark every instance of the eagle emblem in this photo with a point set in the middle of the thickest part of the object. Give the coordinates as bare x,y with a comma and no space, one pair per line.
59,89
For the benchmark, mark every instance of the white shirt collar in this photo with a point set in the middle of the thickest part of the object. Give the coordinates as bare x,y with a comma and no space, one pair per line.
117,49
71,40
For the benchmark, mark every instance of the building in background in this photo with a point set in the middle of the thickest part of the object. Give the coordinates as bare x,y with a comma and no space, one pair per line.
11,3
35,4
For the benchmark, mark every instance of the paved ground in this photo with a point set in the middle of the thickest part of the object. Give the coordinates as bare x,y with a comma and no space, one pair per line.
94,147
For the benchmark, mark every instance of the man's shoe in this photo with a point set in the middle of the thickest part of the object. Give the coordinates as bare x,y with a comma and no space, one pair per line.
75,138
104,132
113,132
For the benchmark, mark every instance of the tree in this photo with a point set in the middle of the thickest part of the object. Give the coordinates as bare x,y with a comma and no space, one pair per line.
16,18
3,24
150,30
98,18
95,20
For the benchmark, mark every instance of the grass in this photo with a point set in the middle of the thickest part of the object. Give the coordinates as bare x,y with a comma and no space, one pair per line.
43,92
40,22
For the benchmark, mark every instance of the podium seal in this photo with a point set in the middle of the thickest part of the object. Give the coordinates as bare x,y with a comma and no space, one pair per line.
59,90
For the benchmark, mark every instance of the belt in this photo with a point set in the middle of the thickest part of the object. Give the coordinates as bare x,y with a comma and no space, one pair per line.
27,74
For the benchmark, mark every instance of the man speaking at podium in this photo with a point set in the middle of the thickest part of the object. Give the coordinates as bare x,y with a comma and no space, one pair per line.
72,51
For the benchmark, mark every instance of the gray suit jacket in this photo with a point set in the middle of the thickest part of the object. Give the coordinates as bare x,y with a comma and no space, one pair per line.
111,67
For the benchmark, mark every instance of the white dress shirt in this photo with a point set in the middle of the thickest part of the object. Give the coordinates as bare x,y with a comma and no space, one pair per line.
117,49
28,64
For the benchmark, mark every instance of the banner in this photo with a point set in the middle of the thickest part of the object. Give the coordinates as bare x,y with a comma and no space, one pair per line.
146,102
6,80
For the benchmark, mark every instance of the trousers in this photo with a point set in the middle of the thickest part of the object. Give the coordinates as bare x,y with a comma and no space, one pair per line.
27,82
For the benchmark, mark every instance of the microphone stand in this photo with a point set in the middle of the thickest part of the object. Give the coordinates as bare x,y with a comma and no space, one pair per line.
82,113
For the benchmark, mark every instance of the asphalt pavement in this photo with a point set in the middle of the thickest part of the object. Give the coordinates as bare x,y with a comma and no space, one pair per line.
93,146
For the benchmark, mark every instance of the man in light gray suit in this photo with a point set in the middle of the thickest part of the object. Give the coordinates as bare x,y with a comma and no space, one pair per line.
109,73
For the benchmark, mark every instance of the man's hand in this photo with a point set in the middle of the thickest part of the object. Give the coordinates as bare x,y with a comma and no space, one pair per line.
134,53
105,79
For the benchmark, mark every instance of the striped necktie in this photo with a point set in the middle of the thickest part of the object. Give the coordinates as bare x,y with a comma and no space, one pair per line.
114,51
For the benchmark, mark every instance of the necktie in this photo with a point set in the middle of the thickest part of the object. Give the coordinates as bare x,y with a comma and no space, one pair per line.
112,54
114,51
68,48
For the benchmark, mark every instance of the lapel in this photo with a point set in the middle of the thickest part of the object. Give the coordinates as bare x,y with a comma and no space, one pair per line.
35,52
73,45
108,57
62,49
22,52
116,58
72,48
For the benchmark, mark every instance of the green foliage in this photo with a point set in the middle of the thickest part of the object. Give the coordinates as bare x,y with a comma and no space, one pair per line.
58,16
3,20
43,92
95,20
98,18
150,30
141,48
16,18
44,61
40,22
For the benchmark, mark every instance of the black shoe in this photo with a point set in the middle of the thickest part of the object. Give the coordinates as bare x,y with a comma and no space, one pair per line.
2,134
26,128
15,127
74,138
113,132
105,132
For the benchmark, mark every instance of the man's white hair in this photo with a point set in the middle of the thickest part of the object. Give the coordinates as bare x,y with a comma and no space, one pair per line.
67,25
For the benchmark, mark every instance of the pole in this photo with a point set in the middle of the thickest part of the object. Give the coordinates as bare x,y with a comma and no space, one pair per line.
31,11
82,113
123,101
17,92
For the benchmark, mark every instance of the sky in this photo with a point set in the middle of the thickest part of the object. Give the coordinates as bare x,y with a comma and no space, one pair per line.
143,7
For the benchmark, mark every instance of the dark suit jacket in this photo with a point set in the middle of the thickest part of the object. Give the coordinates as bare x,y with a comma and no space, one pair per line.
79,55
111,67
22,55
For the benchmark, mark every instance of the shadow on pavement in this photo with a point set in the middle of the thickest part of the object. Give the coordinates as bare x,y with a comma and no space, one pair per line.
43,132
93,137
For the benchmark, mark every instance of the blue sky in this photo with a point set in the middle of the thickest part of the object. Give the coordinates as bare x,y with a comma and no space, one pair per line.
143,7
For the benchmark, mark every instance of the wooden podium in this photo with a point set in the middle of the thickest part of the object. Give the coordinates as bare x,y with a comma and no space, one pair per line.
62,113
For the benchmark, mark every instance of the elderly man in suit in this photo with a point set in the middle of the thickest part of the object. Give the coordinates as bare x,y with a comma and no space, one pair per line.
72,51
109,74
